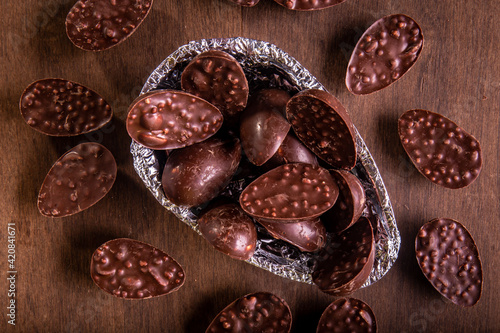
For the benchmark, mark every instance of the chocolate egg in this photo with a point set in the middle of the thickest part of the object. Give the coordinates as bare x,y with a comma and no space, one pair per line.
130,269
295,191
78,180
442,151
256,312
197,173
59,107
169,119
291,150
383,54
96,25
308,236
349,205
308,4
346,262
230,230
321,122
449,259
218,78
347,315
263,127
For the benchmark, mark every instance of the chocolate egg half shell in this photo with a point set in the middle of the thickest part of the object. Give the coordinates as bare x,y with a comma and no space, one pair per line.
130,269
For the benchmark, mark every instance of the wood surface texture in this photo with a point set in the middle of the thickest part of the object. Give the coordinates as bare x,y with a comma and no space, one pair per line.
456,75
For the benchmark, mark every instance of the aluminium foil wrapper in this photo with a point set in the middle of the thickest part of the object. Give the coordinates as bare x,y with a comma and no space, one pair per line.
267,66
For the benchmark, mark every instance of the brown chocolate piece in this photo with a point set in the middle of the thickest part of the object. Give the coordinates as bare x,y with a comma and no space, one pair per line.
168,119
296,191
291,150
256,312
96,25
308,236
347,315
345,263
323,125
218,78
246,3
385,52
263,127
308,4
349,205
449,259
78,180
130,269
230,230
197,173
442,151
59,107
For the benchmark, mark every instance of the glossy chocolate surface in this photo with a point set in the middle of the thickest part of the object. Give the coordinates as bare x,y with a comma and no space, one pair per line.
347,315
197,173
308,236
219,79
169,119
449,259
322,124
230,230
385,52
349,205
291,150
59,107
257,312
344,265
78,180
97,25
263,126
441,150
130,269
296,191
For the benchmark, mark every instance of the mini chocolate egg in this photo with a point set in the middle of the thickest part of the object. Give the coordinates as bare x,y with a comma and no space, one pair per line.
130,269
197,173
59,107
77,180
230,230
347,315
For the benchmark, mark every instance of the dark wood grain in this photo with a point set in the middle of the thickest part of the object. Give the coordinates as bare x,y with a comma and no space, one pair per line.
457,75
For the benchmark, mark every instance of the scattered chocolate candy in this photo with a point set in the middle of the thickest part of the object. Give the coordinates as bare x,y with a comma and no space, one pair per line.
291,151
308,236
96,25
230,230
246,3
168,119
78,180
130,269
256,312
291,192
308,4
197,173
383,54
218,78
449,259
349,205
345,263
323,125
60,107
442,151
263,127
347,315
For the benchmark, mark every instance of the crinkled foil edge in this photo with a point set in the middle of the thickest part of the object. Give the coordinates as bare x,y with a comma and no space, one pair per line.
250,52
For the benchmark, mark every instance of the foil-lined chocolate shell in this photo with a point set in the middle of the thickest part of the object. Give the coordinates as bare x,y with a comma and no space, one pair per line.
267,66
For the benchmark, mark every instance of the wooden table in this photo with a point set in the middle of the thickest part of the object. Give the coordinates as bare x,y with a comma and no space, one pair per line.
457,75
